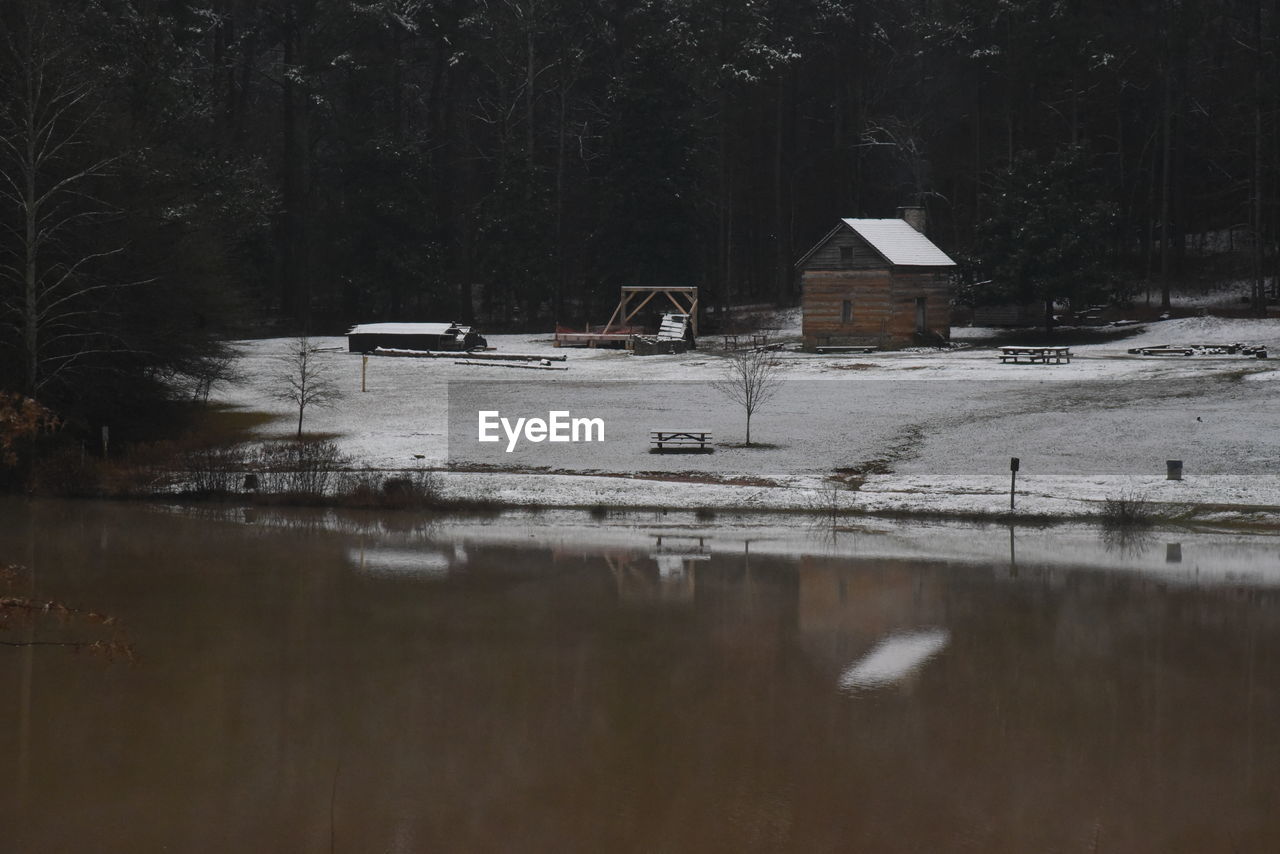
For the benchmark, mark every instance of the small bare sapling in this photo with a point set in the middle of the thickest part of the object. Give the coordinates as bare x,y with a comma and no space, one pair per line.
751,379
303,379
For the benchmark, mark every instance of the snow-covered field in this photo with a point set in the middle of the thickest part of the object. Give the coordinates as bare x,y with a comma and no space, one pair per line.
928,430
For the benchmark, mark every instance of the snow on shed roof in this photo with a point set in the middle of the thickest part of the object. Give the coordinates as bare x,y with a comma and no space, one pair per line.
899,243
403,329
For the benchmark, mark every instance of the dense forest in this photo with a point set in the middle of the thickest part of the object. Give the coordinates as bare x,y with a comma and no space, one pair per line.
175,170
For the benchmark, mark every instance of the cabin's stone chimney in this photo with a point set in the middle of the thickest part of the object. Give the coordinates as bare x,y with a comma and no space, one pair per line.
915,217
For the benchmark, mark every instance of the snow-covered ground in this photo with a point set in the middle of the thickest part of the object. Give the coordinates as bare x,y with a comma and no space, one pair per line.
923,430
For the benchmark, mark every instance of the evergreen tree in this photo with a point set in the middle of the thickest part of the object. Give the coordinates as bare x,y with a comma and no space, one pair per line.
1046,234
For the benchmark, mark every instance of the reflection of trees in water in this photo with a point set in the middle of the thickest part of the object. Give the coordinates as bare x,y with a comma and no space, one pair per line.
829,506
1127,542
312,519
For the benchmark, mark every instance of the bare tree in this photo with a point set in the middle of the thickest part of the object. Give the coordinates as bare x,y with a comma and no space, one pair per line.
205,372
751,379
304,379
49,296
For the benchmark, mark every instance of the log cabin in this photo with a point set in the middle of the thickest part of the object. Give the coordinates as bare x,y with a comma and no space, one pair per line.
877,282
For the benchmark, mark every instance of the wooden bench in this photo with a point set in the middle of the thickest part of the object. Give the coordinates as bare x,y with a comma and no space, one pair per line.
843,348
1035,355
680,442
1162,350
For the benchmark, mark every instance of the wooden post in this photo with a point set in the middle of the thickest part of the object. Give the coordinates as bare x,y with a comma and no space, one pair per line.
364,367
1013,479
106,440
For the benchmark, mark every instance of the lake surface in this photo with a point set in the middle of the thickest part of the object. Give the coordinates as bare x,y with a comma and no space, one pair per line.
310,682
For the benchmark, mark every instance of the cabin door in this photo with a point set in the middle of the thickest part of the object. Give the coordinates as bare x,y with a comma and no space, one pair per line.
922,320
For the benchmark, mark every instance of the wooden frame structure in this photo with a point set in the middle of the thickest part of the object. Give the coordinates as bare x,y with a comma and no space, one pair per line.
617,331
623,316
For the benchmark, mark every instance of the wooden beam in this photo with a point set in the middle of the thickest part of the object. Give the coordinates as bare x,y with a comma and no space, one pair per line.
621,303
684,309
636,310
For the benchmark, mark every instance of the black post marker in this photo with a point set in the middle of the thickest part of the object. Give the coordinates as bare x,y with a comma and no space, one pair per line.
1013,479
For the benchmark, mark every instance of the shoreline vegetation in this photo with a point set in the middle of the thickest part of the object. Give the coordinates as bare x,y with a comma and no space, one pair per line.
314,474
1244,519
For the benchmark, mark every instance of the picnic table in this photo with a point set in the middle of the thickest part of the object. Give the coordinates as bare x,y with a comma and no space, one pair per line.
680,441
1035,355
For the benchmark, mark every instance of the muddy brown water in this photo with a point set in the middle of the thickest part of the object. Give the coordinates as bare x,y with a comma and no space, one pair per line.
301,686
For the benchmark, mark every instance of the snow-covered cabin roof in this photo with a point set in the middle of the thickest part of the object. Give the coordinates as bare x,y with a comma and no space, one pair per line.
404,329
899,243
895,239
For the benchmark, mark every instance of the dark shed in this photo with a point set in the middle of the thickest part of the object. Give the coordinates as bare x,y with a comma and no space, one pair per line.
368,337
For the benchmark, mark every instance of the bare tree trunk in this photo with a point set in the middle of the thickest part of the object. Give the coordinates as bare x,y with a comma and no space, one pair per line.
1259,296
30,302
1149,233
557,301
725,230
248,62
782,252
1270,73
294,280
1123,234
529,98
397,86
1011,82
977,160
1165,189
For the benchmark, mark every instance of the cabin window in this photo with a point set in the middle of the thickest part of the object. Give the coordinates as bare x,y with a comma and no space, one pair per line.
846,253
846,311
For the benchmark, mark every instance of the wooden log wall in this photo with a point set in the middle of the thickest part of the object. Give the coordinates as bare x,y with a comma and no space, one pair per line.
870,293
883,304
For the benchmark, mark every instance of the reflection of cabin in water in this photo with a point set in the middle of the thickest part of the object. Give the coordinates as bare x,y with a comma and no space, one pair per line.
846,607
876,282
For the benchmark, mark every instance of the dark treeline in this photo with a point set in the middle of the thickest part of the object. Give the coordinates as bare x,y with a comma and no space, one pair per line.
305,164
